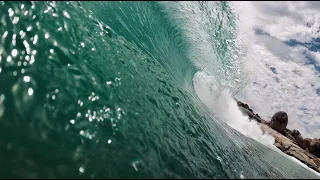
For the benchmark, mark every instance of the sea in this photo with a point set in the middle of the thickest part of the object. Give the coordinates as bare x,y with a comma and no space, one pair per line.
120,89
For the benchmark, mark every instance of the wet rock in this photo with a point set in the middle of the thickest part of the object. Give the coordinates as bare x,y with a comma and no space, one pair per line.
250,114
279,121
241,104
246,112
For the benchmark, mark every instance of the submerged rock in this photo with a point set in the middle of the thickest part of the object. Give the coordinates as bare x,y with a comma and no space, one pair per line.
279,121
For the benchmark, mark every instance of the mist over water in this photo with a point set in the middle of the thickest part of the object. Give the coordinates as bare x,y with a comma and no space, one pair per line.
225,108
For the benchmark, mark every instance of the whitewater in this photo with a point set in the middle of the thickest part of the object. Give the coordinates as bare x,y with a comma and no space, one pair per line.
219,100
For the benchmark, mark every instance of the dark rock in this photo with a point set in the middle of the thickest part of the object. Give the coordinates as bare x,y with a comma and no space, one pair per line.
250,114
290,142
279,121
258,119
246,106
295,133
287,131
297,137
315,147
240,104
299,140
306,144
246,112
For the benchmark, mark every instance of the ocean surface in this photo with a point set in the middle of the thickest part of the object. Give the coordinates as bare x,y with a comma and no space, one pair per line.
127,90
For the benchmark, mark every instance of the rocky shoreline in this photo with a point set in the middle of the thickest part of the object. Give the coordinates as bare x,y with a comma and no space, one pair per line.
288,141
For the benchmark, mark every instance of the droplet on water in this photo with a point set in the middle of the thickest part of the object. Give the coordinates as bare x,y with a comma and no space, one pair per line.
26,78
14,52
30,91
46,35
81,169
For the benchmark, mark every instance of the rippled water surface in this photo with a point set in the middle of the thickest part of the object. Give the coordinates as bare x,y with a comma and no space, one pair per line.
103,89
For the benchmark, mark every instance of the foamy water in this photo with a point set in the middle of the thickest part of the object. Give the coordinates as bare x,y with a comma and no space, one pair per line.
294,160
220,102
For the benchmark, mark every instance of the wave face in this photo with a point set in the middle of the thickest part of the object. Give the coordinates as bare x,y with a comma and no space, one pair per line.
127,90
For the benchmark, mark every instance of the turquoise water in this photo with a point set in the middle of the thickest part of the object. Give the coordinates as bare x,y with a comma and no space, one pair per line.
104,89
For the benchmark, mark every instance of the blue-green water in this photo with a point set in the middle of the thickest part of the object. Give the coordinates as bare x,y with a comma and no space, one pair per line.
105,89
